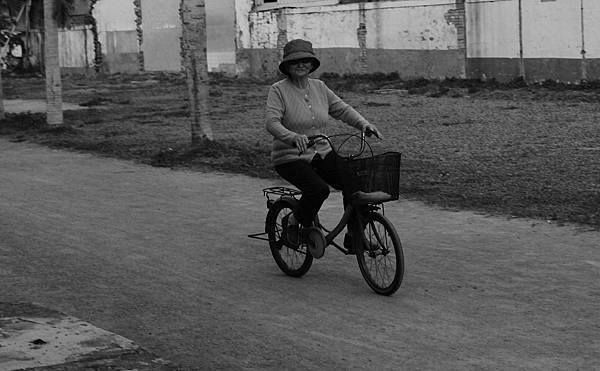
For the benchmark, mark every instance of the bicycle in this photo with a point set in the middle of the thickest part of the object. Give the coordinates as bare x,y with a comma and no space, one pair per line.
374,180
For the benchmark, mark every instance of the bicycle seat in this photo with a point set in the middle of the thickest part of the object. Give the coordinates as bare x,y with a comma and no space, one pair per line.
377,197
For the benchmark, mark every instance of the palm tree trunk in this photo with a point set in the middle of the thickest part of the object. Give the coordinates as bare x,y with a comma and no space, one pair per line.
54,112
27,54
3,12
193,49
1,97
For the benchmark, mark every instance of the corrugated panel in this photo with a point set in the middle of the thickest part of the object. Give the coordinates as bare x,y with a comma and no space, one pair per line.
76,48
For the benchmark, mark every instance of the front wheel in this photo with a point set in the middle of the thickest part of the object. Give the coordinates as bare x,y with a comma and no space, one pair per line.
292,258
380,256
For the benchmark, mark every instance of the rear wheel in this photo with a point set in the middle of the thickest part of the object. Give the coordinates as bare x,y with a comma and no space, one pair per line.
380,256
292,258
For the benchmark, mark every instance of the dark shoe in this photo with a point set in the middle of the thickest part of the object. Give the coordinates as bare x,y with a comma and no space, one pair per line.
304,234
349,244
290,232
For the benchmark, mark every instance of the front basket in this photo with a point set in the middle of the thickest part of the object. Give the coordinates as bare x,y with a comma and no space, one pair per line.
378,173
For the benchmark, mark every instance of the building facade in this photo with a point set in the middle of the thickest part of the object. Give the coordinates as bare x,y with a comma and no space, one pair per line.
414,38
501,39
537,39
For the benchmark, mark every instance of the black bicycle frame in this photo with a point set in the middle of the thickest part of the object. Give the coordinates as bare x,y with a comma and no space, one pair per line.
350,208
331,235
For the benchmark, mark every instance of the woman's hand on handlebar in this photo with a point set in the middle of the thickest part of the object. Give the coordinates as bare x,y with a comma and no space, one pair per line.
370,129
301,142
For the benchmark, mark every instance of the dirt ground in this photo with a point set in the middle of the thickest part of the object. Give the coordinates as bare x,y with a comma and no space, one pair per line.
512,149
162,257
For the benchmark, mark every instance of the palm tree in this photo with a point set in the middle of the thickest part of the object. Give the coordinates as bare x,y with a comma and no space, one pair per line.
54,112
193,49
1,97
4,24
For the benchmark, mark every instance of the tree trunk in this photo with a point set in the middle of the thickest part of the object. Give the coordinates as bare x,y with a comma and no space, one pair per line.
27,51
3,12
1,96
54,112
193,49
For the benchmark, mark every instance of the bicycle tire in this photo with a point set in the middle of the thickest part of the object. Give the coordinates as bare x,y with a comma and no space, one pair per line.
294,261
380,252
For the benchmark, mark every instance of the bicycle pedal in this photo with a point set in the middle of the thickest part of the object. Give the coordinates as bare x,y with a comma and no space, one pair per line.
315,242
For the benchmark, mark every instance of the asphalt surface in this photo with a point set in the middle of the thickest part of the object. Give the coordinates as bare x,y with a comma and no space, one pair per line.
161,257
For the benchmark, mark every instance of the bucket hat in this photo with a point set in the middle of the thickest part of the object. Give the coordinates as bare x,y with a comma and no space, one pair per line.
298,49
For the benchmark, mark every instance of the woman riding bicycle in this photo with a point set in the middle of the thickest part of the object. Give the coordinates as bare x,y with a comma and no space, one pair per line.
297,107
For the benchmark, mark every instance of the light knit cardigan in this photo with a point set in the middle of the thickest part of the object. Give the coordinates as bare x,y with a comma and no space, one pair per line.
291,111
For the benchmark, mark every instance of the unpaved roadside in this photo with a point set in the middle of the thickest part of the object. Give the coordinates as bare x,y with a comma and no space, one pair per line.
524,150
161,257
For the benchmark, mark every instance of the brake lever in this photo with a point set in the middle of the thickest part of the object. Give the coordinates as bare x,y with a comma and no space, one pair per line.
369,133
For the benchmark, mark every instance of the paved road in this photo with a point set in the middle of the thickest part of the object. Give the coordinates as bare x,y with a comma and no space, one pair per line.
161,257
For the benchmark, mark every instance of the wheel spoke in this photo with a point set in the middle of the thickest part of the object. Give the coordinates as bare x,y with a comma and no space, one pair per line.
381,261
291,258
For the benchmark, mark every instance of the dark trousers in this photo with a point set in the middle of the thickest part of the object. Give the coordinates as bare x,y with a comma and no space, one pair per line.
313,179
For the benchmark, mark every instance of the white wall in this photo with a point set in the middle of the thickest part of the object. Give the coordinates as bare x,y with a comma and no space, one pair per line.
414,25
591,23
220,33
113,15
552,29
323,27
492,29
262,30
242,9
410,24
162,32
72,44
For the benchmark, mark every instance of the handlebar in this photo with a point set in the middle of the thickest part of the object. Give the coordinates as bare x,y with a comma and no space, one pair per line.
368,132
313,139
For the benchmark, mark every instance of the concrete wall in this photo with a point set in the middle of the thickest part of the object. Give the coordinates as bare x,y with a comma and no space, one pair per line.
162,33
161,27
115,20
220,34
552,39
413,38
77,49
591,24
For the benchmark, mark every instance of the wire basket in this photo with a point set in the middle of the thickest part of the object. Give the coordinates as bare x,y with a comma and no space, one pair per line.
372,174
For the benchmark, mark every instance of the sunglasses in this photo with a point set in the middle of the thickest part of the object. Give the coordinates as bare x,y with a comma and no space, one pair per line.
298,61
